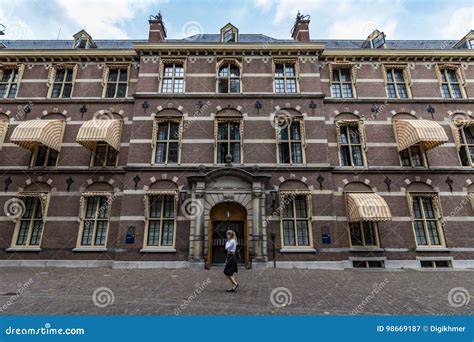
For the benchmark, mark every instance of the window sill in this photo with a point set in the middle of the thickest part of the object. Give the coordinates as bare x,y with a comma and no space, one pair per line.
158,250
298,250
432,249
23,249
366,249
90,249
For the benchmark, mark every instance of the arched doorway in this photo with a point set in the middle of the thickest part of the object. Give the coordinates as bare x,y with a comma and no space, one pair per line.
225,216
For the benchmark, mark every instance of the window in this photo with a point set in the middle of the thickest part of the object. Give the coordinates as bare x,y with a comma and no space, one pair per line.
167,143
364,234
396,84
228,141
350,145
435,263
173,78
378,41
104,155
30,225
342,83
290,143
285,78
229,36
8,82
228,78
450,86
413,156
96,221
368,264
161,220
62,83
295,221
425,221
466,150
44,156
116,85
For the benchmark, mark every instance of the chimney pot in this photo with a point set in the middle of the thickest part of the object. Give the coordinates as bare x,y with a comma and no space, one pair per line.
300,30
157,31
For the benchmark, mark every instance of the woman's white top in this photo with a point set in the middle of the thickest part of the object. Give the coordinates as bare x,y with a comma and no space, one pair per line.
231,246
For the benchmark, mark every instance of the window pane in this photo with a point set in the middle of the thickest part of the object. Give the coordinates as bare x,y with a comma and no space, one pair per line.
100,155
428,207
300,206
173,152
279,70
369,234
345,75
123,75
289,233
295,131
287,207
343,135
389,75
345,156
23,233
155,207
416,208
168,231
303,235
103,211
297,153
234,85
420,233
222,151
405,157
91,207
223,85
469,133
178,86
284,149
279,85
433,232
101,233
416,156
160,153
452,78
153,233
354,135
112,156
356,234
234,131
67,90
391,91
168,206
110,90
336,90
113,74
235,152
36,233
87,233
357,156
52,158
167,86
122,90
347,90
445,91
168,70
402,91
399,76
291,86
456,91
290,70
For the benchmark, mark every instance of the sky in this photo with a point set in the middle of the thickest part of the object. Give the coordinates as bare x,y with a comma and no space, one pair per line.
342,19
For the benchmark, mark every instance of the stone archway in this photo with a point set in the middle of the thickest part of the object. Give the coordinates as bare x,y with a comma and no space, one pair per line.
228,185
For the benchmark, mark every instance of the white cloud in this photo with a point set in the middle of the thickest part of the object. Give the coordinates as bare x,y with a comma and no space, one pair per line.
102,19
15,28
460,22
360,29
287,9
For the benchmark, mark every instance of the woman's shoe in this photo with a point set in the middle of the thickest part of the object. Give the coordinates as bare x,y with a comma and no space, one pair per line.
234,288
230,290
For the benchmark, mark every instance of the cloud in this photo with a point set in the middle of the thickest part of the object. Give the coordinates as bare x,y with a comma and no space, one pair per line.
460,22
15,28
102,19
287,9
360,29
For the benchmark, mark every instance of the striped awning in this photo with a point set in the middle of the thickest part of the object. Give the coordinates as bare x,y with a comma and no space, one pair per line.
100,130
32,132
429,134
367,206
3,131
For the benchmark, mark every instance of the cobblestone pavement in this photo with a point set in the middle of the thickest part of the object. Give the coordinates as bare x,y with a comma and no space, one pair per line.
73,291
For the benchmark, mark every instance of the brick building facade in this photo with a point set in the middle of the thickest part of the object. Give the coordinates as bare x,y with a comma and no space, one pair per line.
324,153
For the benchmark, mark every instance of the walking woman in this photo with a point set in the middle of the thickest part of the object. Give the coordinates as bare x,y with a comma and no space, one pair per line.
231,260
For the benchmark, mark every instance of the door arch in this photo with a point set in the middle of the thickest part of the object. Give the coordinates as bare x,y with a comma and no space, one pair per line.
224,216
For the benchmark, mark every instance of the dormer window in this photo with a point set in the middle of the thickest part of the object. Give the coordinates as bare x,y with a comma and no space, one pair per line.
229,34
82,40
466,42
375,40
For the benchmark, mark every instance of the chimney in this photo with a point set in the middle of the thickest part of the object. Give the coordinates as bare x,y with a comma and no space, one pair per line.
300,30
157,29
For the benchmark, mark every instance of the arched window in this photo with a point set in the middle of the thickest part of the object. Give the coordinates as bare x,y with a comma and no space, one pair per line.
228,78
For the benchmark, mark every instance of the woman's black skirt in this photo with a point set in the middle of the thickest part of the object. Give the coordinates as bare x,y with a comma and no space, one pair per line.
230,265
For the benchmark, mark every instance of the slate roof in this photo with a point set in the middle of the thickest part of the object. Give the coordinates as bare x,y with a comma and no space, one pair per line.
243,38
